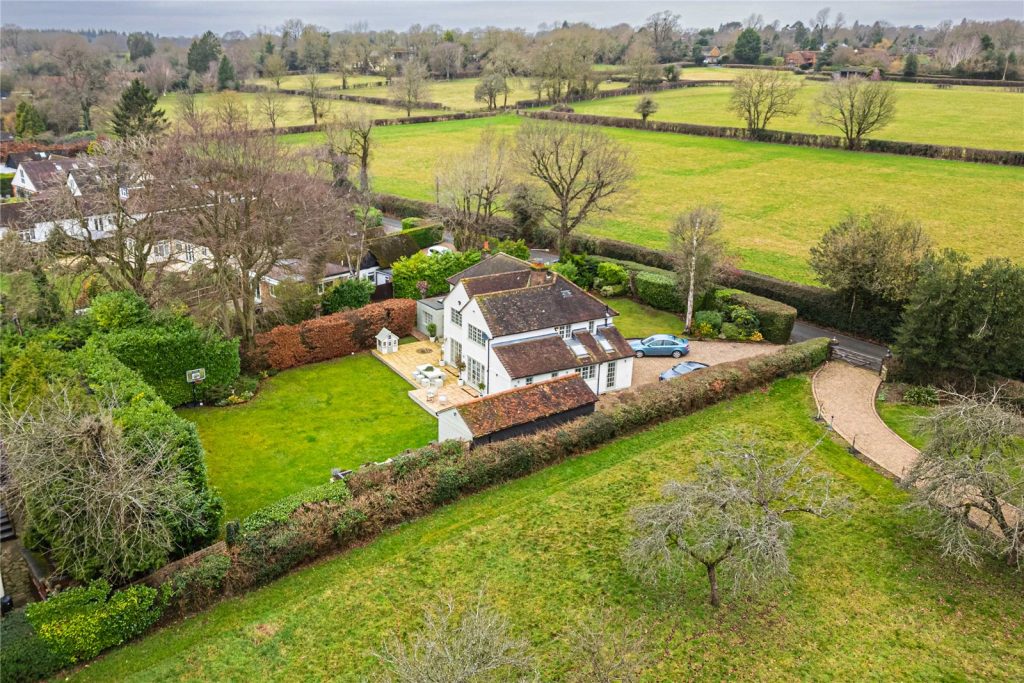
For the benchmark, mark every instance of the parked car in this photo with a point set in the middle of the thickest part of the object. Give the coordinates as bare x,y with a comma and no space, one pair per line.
681,369
660,345
438,249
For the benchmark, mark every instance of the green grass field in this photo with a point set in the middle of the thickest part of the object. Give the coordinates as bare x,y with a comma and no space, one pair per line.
459,93
296,111
777,200
990,118
905,420
639,321
302,423
868,599
301,81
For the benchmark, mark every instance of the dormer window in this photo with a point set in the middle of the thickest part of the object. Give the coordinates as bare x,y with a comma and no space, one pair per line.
563,331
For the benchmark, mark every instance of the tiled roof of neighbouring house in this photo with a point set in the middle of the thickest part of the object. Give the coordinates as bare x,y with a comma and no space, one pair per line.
551,353
537,306
390,248
492,265
522,405
296,269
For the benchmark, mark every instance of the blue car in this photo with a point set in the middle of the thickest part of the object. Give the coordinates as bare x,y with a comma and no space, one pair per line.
660,345
681,369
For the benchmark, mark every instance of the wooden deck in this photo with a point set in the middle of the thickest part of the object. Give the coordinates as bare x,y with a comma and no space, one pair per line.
410,356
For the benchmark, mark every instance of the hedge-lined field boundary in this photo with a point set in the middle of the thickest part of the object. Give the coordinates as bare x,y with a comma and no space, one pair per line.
399,121
620,92
779,137
331,94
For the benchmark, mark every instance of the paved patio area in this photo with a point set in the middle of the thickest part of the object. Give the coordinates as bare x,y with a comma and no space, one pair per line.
409,357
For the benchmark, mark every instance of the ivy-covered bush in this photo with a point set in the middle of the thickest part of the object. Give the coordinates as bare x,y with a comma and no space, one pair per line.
79,623
24,656
659,291
347,294
434,269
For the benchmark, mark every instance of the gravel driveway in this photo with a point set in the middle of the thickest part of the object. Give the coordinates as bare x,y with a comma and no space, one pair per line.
647,369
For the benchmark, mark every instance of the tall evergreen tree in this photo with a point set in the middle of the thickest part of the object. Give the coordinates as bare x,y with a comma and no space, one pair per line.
136,113
203,51
225,74
748,47
28,122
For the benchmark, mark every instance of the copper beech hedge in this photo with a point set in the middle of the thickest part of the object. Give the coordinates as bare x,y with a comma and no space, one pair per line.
331,336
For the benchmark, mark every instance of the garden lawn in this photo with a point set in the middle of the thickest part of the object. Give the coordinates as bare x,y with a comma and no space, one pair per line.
635,320
990,118
296,112
777,200
302,423
905,420
868,599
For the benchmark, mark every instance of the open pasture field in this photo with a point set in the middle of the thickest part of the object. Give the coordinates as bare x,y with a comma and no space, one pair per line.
868,599
777,200
458,93
302,423
299,81
296,111
989,118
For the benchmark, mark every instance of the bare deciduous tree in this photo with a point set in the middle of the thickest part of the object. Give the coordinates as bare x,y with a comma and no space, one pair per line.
645,107
411,87
249,202
608,648
105,505
273,106
119,192
970,474
470,184
734,514
642,62
856,106
274,68
352,135
697,252
316,97
581,166
475,645
758,96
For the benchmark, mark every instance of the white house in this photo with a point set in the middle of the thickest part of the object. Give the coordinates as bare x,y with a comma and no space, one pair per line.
509,324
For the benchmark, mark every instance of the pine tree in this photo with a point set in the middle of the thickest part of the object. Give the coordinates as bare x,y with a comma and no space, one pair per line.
136,113
225,74
28,122
202,52
910,65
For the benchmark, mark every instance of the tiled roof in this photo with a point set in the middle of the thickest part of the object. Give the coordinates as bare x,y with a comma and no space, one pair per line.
492,265
15,215
295,269
501,282
390,248
551,353
523,405
535,307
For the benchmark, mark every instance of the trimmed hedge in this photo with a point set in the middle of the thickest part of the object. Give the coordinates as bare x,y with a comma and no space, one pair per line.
281,511
775,319
658,291
332,336
819,305
24,656
79,623
163,354
426,236
950,153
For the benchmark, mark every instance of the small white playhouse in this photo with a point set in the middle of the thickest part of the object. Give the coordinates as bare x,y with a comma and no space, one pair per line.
387,342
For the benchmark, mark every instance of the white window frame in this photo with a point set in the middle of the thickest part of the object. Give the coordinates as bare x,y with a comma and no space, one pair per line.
587,371
456,317
476,374
190,252
563,331
477,335
609,381
529,380
457,351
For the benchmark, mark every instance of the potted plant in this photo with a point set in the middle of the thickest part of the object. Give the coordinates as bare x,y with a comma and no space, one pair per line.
432,331
461,366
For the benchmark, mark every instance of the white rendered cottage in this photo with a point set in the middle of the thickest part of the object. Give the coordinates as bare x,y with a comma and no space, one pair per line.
509,324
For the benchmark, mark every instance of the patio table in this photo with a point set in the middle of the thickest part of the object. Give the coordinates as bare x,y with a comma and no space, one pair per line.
430,371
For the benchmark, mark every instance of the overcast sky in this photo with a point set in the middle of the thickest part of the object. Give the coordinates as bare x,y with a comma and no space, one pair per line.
186,17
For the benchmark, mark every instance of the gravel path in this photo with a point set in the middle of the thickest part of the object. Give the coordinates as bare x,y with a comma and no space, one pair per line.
647,369
846,397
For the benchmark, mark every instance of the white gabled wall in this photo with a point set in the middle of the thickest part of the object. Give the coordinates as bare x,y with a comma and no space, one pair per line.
451,426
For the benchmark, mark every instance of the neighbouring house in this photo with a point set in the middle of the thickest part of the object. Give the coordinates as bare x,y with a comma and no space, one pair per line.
712,55
510,324
33,177
382,252
521,410
296,270
430,311
804,59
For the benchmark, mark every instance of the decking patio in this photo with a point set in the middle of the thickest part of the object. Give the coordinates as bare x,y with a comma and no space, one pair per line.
409,357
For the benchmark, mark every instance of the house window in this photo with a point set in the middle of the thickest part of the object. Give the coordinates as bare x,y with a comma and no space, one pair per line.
529,380
554,375
456,352
587,371
475,371
321,288
273,290
610,380
25,235
563,331
456,318
190,252
590,327
162,249
477,335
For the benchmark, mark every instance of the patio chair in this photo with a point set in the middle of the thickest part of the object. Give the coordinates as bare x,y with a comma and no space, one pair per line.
442,399
430,395
425,382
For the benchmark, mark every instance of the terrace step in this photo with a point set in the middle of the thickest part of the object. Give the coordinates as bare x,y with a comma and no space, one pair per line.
6,526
